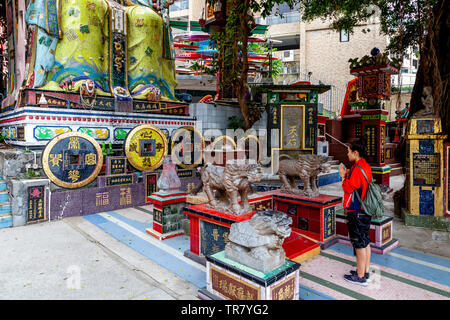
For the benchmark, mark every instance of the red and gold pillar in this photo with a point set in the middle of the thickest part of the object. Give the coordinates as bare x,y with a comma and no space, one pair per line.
374,128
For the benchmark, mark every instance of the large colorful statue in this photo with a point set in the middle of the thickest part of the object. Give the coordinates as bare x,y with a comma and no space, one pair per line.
121,48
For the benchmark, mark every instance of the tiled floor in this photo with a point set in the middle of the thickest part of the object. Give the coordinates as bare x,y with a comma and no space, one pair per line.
400,274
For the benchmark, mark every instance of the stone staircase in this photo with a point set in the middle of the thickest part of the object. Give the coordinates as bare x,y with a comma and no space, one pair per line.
5,206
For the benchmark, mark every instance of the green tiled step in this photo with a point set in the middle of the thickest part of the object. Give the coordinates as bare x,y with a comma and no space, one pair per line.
430,222
2,185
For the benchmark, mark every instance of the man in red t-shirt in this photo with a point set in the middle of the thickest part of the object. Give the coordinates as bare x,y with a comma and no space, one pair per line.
358,222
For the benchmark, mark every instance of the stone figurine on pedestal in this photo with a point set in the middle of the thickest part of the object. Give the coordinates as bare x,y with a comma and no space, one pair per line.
169,180
168,203
223,185
307,167
257,243
254,262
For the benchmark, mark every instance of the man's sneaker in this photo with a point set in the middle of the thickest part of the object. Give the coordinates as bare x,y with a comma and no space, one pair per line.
366,275
353,278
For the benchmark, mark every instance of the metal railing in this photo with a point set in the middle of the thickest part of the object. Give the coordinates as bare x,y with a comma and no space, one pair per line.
276,19
179,5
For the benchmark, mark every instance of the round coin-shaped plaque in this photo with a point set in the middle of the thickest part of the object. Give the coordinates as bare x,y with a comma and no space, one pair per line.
187,147
72,160
145,146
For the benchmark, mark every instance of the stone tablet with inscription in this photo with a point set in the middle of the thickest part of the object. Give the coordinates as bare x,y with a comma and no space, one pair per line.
292,127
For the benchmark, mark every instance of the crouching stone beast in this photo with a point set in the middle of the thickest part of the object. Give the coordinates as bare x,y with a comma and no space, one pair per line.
223,185
307,167
257,243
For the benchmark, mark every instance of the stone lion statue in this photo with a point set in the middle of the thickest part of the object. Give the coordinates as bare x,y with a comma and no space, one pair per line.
257,243
307,167
223,185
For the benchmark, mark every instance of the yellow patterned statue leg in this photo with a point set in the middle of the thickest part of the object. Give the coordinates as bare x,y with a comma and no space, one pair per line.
146,66
82,53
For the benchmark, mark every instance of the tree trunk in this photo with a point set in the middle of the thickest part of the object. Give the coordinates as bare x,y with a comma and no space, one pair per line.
240,86
434,65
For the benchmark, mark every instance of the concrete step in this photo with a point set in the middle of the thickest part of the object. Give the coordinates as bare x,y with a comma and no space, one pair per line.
5,221
396,165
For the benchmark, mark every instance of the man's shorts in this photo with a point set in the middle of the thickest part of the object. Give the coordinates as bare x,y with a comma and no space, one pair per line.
358,224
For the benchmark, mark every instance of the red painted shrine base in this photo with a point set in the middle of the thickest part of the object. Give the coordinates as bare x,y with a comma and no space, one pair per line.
166,214
207,220
314,218
298,248
210,228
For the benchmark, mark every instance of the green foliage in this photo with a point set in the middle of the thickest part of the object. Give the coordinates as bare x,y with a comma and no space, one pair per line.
199,66
232,46
262,48
404,21
107,152
31,173
236,123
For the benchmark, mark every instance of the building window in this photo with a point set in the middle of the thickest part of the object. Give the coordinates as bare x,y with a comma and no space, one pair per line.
344,37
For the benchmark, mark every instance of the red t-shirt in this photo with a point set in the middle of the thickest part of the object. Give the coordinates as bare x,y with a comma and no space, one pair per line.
355,180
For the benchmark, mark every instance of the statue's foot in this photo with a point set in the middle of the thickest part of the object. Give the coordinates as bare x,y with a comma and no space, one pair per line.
213,203
289,190
310,193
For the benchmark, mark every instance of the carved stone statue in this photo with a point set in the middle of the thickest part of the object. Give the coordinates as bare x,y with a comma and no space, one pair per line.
427,101
307,167
169,180
223,185
257,243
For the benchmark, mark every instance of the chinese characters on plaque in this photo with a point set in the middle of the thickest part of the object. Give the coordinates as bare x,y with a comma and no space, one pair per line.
231,287
371,132
36,204
426,169
329,222
292,127
213,237
116,165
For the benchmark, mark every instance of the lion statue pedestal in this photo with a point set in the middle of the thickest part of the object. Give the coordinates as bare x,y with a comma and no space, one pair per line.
253,264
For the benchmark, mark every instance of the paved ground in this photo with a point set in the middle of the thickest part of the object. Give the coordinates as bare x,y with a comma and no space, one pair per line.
109,256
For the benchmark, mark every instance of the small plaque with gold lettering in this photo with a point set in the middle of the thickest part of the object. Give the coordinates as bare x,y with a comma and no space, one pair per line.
116,165
36,204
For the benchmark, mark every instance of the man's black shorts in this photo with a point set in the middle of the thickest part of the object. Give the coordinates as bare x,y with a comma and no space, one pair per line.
358,224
